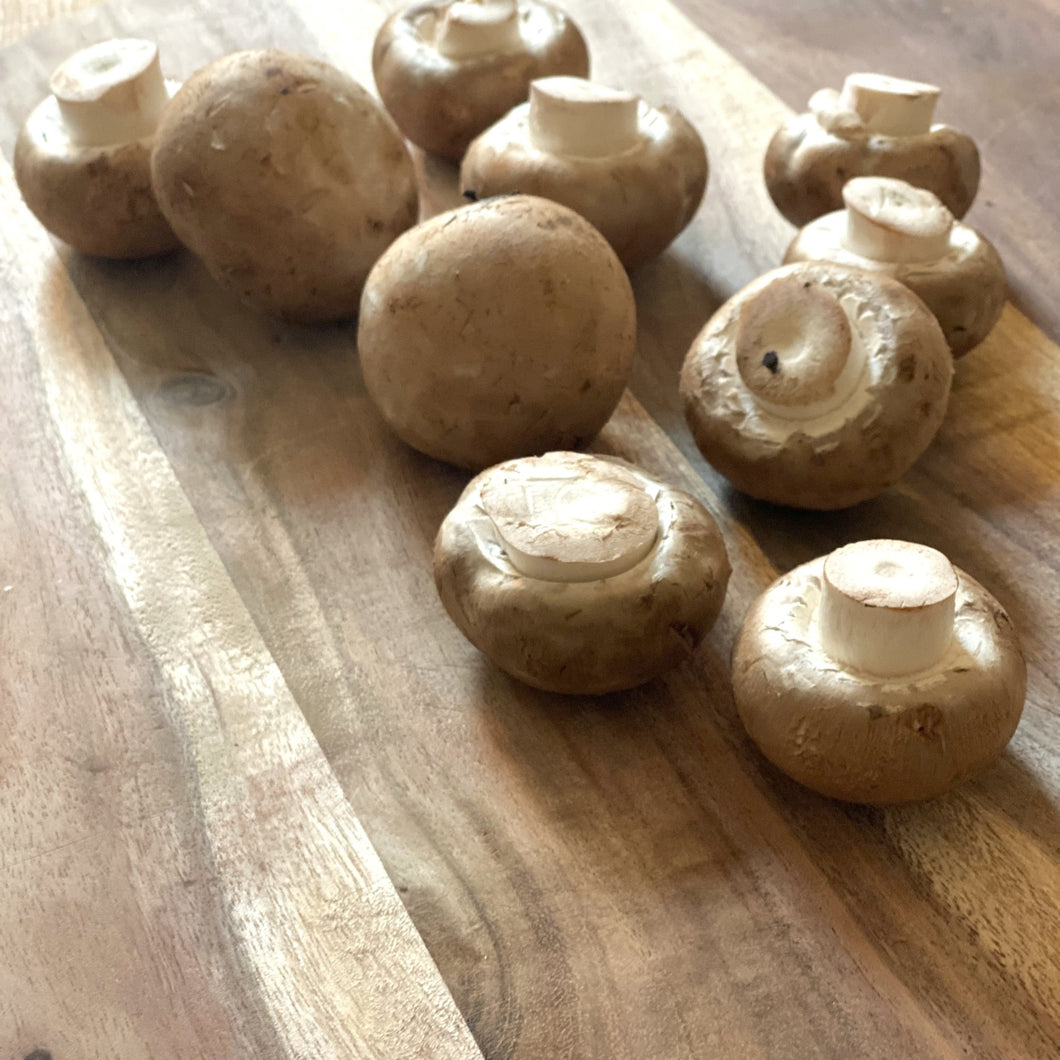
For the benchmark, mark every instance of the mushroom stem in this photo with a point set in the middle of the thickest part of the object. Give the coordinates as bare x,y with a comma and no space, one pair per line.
572,116
112,92
890,220
890,106
887,607
558,522
796,351
478,27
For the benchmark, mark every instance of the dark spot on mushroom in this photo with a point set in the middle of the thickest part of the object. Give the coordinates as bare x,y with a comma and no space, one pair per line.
959,327
771,361
876,712
925,720
471,195
585,386
907,368
961,669
285,91
38,1054
924,409
808,283
274,71
195,389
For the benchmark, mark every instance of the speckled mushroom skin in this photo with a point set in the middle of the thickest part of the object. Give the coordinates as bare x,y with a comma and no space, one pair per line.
811,157
286,177
965,290
639,200
910,373
502,329
870,740
442,104
96,199
590,637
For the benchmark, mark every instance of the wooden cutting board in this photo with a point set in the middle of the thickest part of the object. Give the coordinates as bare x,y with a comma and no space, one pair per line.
217,553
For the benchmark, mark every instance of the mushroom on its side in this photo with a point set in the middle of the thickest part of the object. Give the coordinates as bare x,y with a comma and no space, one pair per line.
580,574
635,171
877,126
447,70
817,385
879,674
83,157
496,330
891,227
286,177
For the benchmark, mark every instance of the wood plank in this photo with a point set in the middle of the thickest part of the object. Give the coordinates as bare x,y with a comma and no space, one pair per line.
626,877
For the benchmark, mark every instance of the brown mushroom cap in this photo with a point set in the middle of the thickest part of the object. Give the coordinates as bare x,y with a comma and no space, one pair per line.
964,287
639,199
791,411
499,329
441,104
95,197
812,155
590,636
286,178
852,736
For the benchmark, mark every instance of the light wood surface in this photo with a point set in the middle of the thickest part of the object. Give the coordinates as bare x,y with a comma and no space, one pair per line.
215,531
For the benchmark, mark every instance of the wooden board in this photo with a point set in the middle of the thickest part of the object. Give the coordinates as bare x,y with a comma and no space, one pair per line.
621,877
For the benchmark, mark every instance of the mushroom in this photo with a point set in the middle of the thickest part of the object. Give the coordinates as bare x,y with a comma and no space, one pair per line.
879,674
817,385
286,177
496,330
446,71
891,227
877,126
580,574
83,158
637,172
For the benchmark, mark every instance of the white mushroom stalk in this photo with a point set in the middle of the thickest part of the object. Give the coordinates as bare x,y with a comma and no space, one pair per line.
887,607
557,523
574,117
478,27
796,351
890,106
112,92
890,220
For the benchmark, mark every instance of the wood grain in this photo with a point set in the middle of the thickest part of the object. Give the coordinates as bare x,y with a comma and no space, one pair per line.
625,877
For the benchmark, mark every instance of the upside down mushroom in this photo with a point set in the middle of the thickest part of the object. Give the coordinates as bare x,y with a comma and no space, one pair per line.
890,226
876,126
879,674
83,157
817,385
580,574
637,172
447,69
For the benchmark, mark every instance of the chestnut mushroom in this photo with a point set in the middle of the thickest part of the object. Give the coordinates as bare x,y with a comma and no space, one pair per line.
635,171
817,385
877,126
286,177
83,157
447,69
891,227
879,674
580,574
496,330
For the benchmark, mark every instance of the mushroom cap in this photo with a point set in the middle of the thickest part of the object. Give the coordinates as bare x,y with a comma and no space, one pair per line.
496,330
441,104
583,637
851,450
96,199
286,177
874,740
965,289
811,156
639,199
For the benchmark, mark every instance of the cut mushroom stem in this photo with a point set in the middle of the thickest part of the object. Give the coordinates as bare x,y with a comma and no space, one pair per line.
112,92
472,28
890,220
890,106
557,524
796,351
887,607
574,117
